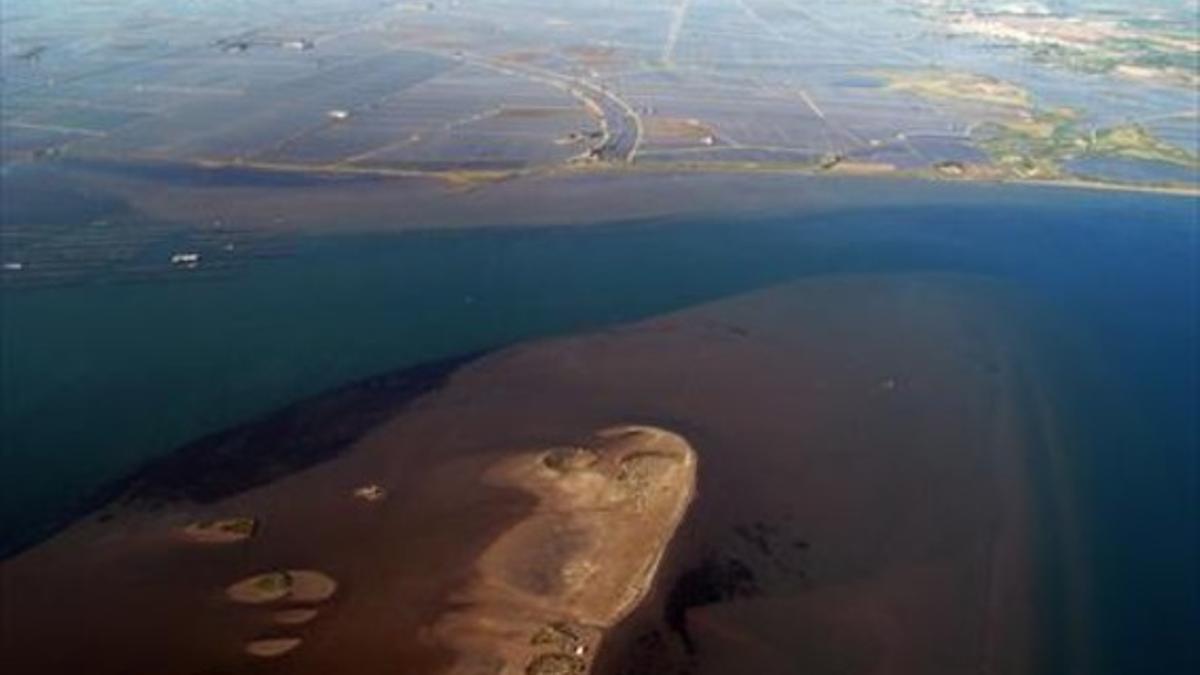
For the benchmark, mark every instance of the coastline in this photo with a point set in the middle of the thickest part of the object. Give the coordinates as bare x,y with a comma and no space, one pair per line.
468,179
339,202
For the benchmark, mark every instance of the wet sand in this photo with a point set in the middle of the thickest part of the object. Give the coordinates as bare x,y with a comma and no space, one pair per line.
863,505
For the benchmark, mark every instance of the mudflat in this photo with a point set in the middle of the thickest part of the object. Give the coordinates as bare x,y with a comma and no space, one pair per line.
832,474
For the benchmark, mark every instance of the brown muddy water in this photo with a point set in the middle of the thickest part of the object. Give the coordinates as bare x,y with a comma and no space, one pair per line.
864,502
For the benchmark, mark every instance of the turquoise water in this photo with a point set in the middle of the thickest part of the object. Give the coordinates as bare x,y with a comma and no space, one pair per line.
98,377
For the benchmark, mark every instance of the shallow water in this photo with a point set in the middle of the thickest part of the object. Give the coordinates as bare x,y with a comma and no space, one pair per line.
99,377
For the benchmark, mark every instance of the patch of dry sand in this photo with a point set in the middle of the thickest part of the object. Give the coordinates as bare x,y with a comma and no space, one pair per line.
549,586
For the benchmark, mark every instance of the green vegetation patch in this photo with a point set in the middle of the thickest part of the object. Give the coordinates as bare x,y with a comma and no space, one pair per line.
1136,142
1158,58
558,635
242,526
959,86
556,664
1033,147
275,582
1038,146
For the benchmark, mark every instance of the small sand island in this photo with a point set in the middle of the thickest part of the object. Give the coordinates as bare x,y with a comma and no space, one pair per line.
223,531
302,588
549,587
294,585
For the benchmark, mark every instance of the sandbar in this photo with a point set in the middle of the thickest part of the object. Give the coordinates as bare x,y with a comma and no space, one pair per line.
549,586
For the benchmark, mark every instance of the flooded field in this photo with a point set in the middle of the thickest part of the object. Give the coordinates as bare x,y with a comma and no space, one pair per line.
449,87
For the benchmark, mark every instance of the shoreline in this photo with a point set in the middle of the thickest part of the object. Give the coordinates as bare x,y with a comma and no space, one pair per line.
468,179
259,210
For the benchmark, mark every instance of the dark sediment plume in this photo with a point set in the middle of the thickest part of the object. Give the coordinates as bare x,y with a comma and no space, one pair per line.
713,581
294,438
